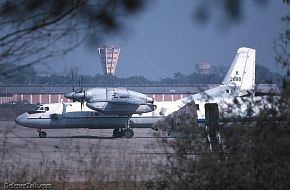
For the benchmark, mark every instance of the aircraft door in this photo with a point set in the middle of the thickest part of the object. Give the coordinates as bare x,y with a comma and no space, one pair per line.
212,117
211,114
212,124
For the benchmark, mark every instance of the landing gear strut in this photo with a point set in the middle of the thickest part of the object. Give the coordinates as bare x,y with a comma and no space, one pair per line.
41,134
119,133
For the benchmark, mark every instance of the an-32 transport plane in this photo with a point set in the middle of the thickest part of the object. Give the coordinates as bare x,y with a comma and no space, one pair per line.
122,110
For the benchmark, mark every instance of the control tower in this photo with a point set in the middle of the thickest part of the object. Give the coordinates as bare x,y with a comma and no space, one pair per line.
109,56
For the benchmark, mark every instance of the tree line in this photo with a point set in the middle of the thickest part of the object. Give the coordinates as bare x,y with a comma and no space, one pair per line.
28,75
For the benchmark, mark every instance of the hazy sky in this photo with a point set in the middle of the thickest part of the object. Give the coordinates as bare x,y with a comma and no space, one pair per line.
164,39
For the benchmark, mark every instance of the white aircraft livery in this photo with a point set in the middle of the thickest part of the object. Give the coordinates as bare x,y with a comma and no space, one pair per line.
123,110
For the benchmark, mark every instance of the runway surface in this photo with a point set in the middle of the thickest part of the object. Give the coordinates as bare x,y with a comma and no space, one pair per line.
77,154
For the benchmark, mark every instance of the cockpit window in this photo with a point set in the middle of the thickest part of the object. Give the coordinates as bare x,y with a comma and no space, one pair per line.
39,109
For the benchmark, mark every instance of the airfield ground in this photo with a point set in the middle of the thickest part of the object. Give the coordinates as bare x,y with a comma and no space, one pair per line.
77,158
80,158
77,155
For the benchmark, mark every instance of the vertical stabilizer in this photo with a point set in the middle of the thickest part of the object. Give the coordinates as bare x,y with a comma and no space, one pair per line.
242,71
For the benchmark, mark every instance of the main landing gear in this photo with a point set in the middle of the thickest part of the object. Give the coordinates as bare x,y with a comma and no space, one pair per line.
128,133
41,134
123,132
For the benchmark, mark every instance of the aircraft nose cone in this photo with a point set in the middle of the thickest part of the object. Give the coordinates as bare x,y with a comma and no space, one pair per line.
78,95
20,120
69,95
75,95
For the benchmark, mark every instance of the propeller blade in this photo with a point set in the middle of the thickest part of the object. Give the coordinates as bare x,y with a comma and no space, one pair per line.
63,108
72,76
82,104
82,84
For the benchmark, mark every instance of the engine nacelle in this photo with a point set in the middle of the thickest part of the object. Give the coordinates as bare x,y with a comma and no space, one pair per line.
107,94
114,100
121,109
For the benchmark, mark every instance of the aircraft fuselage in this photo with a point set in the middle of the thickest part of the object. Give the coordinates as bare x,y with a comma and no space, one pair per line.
69,115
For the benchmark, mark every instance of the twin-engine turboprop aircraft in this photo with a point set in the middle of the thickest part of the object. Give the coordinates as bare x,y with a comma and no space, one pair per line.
97,108
123,110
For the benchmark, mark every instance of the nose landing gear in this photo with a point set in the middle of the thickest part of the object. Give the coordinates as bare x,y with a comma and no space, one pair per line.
118,133
41,134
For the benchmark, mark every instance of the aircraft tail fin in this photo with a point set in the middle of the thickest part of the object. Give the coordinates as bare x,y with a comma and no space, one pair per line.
242,71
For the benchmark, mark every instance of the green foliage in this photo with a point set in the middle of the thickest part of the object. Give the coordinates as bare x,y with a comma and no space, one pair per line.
254,156
27,74
37,32
11,73
264,75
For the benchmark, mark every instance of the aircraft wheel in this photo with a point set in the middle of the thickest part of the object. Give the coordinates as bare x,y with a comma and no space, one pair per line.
118,133
42,134
128,133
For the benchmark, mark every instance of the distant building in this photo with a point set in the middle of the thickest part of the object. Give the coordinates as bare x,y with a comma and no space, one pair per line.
203,68
44,94
109,56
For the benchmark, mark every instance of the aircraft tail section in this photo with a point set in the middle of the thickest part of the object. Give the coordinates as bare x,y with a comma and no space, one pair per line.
242,71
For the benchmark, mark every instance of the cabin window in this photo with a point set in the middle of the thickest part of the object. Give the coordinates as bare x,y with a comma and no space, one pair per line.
228,91
46,108
197,106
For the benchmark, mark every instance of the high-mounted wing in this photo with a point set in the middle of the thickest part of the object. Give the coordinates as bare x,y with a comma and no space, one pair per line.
114,100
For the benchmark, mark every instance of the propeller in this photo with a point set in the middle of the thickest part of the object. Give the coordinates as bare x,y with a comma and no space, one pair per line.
82,90
73,82
82,104
77,95
82,83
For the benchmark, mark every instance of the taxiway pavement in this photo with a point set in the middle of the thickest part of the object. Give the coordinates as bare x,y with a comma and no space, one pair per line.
77,154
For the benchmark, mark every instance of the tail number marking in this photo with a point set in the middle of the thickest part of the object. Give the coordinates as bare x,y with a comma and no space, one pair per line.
232,79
